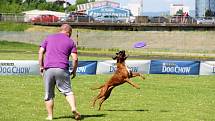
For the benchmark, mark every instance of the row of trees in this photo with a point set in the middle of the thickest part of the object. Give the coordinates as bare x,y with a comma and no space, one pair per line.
17,6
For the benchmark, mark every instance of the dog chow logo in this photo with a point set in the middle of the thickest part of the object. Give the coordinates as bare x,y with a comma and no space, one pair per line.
174,68
113,68
8,68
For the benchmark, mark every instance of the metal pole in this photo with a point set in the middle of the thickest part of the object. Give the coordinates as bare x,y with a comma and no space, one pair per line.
77,34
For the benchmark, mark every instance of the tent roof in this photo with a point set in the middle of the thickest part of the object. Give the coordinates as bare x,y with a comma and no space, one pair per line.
41,12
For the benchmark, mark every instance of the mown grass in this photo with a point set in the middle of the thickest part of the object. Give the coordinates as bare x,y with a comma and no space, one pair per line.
25,51
161,98
11,26
17,46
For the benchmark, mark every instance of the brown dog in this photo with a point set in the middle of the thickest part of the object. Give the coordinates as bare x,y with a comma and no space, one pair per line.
121,76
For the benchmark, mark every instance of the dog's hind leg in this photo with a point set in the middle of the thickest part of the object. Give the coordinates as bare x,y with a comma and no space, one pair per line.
101,101
94,101
100,95
106,96
97,87
96,98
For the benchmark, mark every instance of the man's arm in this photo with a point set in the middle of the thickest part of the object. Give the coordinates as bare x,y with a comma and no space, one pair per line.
74,64
40,58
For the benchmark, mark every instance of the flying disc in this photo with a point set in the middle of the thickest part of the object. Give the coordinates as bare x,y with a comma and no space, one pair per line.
139,45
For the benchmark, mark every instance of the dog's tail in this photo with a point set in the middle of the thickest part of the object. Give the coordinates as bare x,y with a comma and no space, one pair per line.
94,88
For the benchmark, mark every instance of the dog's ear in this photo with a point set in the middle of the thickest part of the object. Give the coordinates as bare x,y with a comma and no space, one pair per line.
114,58
126,57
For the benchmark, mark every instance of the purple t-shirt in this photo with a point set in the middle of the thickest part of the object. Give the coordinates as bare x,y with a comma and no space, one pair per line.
58,47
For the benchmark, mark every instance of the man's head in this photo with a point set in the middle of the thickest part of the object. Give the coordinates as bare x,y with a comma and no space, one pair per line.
67,29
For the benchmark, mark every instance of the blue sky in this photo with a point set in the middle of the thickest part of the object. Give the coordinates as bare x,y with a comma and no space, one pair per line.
159,5
156,5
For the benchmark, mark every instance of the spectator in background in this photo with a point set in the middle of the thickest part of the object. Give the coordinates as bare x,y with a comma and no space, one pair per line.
185,17
57,49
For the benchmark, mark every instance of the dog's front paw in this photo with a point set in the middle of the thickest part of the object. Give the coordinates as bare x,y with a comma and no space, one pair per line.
137,87
143,77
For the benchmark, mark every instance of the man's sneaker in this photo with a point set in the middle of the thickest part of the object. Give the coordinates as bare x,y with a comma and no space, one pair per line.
49,118
77,115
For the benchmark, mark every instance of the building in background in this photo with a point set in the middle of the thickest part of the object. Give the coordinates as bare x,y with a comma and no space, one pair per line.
174,8
109,11
28,15
96,4
135,8
203,5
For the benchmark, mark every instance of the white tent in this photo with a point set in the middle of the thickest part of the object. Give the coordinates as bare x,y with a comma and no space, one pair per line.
28,15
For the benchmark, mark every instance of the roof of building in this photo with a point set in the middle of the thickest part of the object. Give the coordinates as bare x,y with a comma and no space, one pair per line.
42,12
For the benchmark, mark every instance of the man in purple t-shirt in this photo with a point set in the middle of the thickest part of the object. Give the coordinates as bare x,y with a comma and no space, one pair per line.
54,55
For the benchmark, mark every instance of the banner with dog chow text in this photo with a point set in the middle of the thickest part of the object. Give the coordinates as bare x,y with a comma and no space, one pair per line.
174,67
207,68
85,67
109,66
19,67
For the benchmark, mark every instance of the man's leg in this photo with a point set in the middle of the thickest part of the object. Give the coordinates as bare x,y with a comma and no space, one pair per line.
63,84
49,107
49,83
71,100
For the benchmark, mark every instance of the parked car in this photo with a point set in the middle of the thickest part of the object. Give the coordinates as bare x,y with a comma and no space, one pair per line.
182,19
131,19
80,18
209,20
108,18
158,19
45,18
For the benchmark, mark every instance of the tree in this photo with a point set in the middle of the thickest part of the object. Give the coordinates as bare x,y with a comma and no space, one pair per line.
209,13
71,8
16,6
81,2
180,12
19,2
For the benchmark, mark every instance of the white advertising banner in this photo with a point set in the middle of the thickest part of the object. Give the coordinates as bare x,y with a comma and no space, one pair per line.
19,67
109,66
207,68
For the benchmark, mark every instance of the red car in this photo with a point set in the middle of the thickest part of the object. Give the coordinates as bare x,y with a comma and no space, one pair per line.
45,18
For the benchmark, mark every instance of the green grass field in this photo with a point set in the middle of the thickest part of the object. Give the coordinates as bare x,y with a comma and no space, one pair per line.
161,97
11,26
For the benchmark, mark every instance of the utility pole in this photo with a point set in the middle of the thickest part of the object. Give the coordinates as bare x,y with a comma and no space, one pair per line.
209,4
141,8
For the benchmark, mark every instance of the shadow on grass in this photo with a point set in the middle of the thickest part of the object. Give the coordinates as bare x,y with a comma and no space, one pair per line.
83,116
139,110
